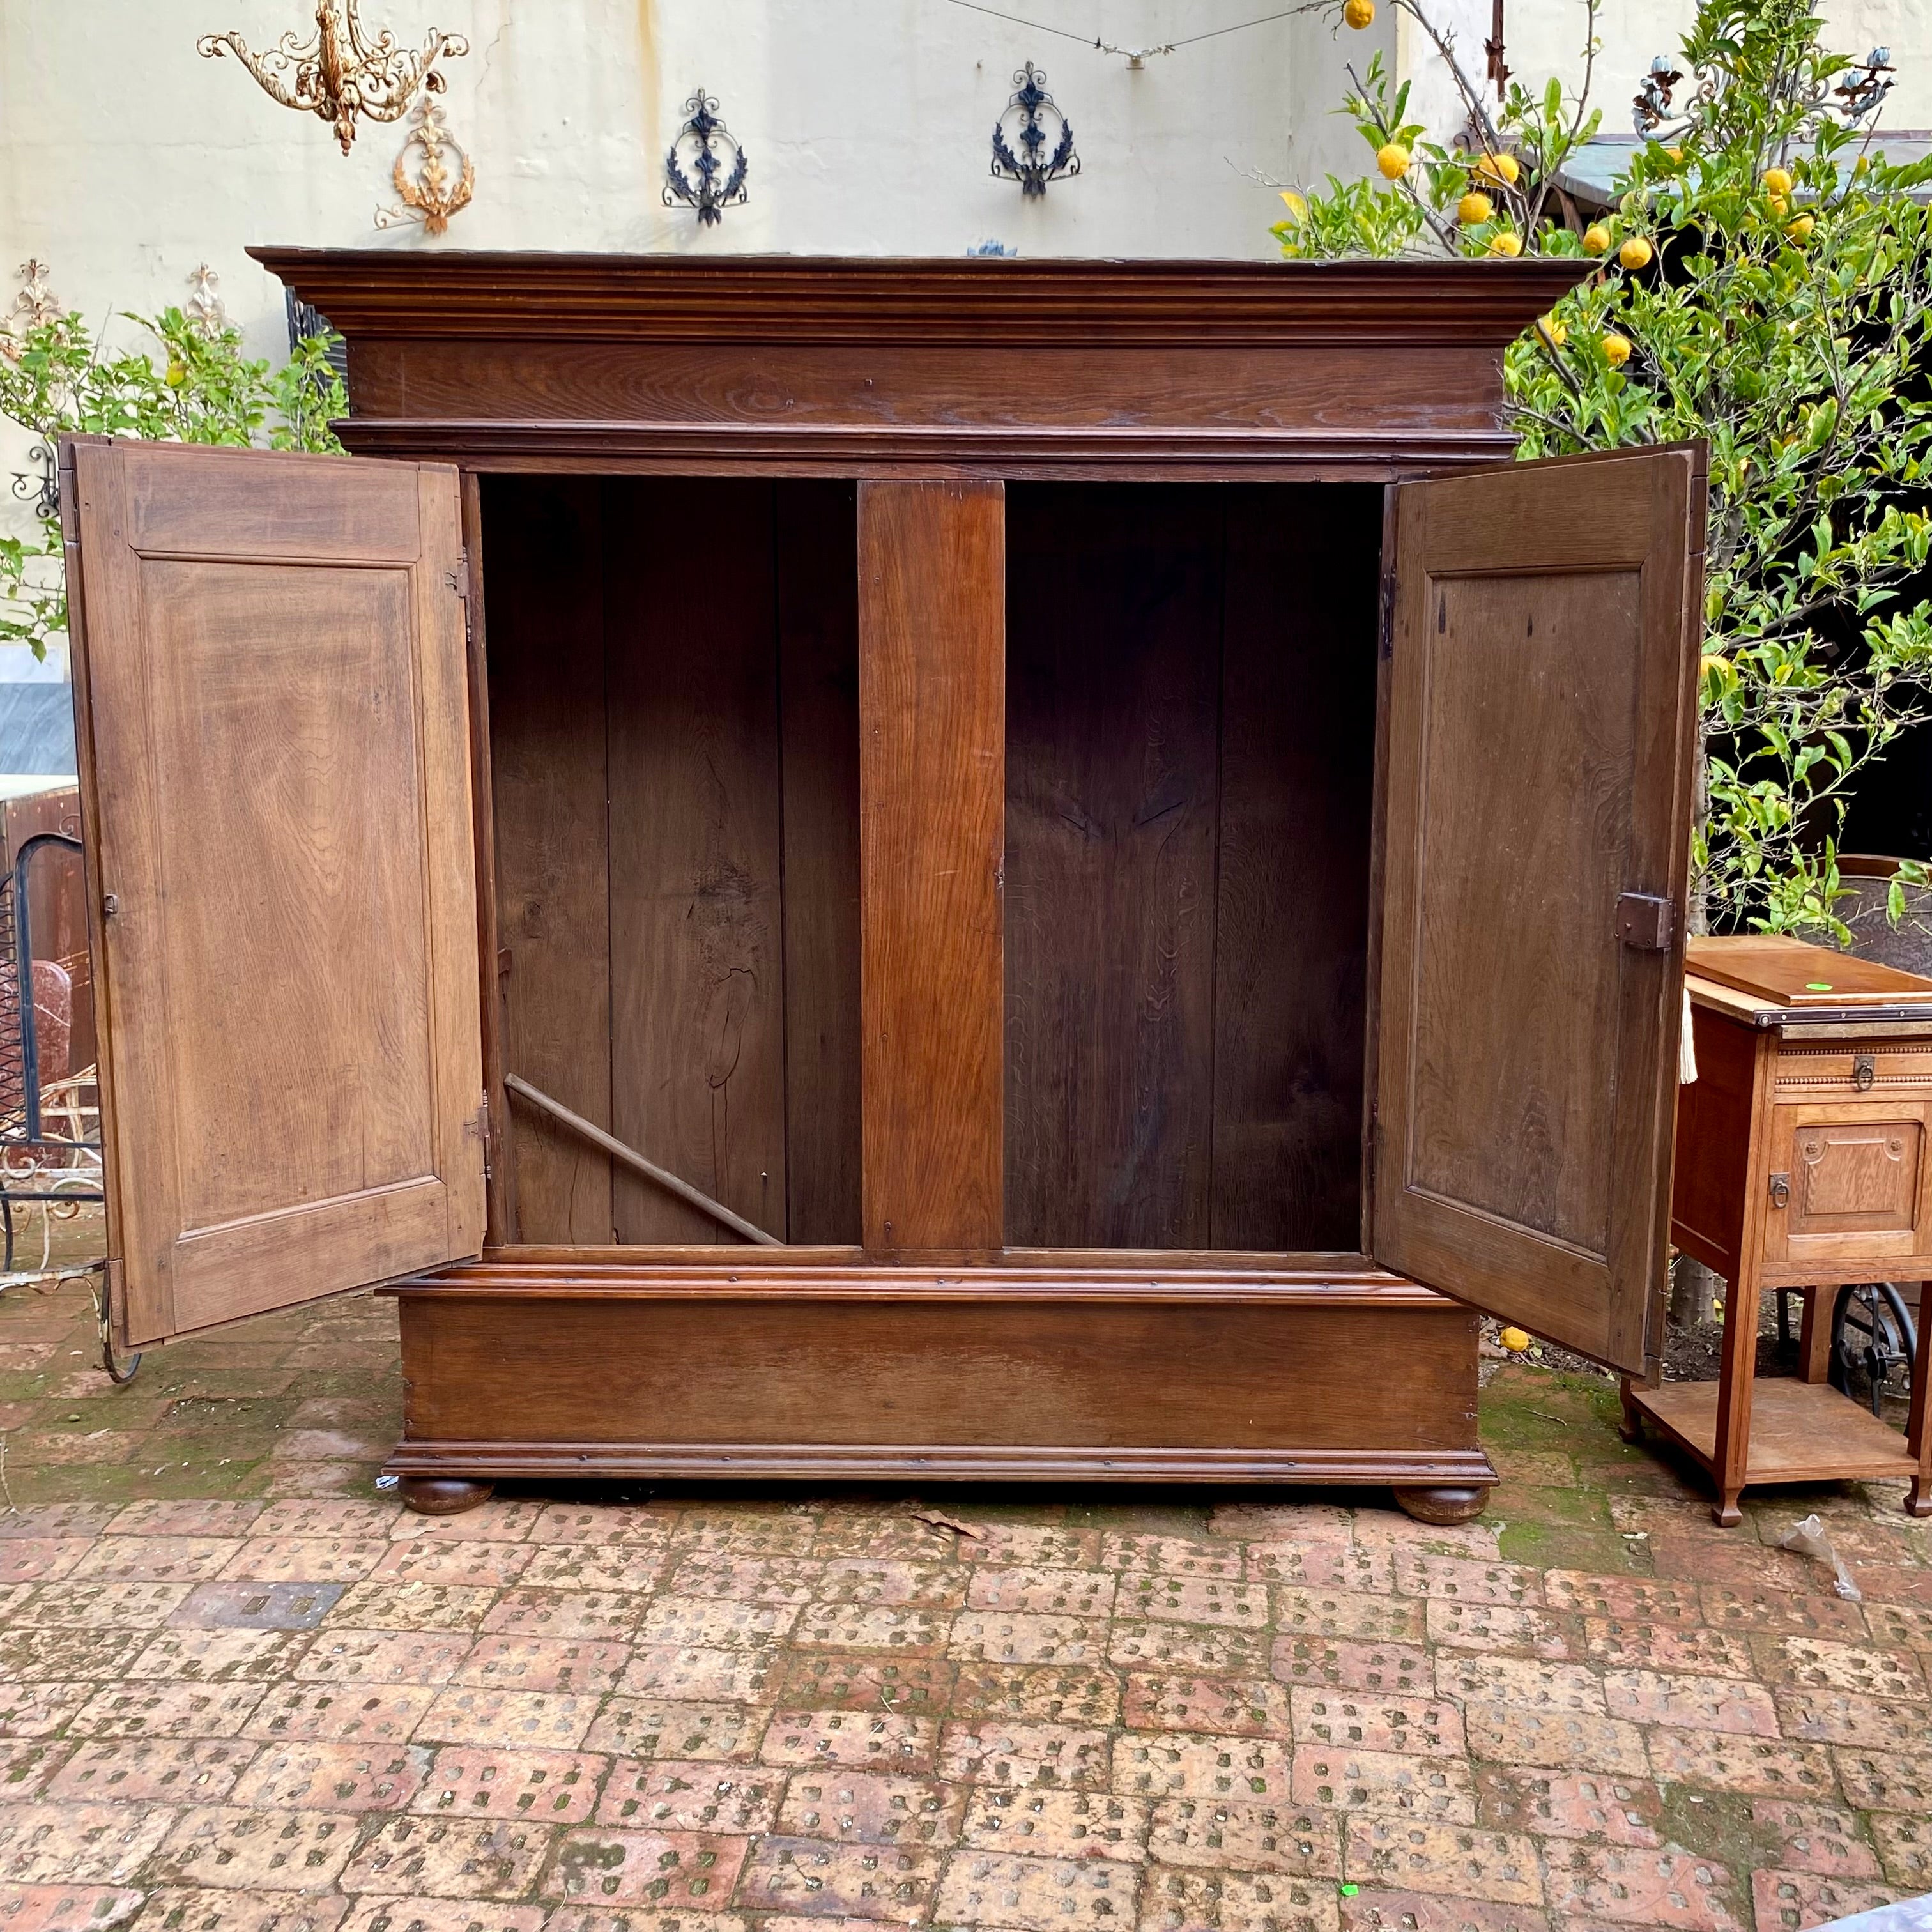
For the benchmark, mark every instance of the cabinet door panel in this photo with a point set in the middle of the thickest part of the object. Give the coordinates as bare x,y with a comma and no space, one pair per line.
270,671
1541,705
1854,1184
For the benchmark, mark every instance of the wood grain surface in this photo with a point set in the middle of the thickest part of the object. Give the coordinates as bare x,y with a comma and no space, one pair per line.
1541,722
278,783
931,690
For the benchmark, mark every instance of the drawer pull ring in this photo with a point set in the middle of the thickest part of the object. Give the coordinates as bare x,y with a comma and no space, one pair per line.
1864,1071
1780,1190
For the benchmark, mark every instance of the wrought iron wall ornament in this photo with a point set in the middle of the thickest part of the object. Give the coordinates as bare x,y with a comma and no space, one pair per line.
336,73
699,143
34,306
429,195
1033,167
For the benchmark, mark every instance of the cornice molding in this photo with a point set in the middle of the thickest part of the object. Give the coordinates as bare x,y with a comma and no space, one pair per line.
961,449
981,301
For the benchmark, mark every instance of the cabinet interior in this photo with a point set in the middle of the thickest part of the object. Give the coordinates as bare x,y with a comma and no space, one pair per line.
1190,720
675,750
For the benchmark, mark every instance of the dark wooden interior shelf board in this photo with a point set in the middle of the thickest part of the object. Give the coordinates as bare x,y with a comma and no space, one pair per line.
987,301
1801,1432
968,1462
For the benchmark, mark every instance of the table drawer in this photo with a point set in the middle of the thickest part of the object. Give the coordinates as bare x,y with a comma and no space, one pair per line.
1846,1069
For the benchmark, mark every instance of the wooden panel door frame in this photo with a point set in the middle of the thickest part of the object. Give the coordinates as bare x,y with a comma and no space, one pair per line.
121,508
1633,1340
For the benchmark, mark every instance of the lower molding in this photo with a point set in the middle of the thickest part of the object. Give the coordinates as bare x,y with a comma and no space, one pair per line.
586,1462
1012,1374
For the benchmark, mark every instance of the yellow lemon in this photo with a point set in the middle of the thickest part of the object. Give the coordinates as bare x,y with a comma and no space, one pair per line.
1777,181
1616,349
1675,155
1514,1339
1862,165
1359,12
1505,244
1636,252
1393,160
1711,661
177,375
1800,230
1779,204
1555,333
1298,207
1502,168
1474,207
1596,239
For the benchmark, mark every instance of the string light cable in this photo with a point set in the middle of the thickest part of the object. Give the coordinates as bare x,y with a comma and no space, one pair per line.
1134,56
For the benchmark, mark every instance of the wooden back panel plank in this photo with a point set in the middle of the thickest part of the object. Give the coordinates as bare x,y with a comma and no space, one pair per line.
1113,670
551,808
1298,709
697,937
932,745
817,580
277,745
1541,716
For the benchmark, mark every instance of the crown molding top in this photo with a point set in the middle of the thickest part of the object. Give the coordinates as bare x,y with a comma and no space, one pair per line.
982,301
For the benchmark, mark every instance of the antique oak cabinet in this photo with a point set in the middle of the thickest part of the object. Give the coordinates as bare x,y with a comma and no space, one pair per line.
1087,804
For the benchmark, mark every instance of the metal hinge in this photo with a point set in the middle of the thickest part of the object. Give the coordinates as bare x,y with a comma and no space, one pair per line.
1385,634
477,1127
458,579
1645,922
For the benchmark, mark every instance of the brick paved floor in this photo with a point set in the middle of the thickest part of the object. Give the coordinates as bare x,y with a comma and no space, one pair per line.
240,1690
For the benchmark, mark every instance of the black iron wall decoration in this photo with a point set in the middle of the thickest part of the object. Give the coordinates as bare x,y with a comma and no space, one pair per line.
703,146
1033,167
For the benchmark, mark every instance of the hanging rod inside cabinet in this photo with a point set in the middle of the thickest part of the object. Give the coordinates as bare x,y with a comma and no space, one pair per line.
630,1157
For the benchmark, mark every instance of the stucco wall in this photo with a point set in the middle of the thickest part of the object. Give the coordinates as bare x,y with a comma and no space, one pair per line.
125,159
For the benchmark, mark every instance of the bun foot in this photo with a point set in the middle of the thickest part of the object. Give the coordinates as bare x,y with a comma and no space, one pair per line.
442,1495
1918,1498
1443,1503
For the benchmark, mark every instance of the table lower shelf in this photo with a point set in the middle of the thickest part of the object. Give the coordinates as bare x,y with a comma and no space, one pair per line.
1801,1432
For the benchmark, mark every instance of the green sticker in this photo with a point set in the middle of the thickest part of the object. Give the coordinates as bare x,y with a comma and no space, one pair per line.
1349,1890
1817,986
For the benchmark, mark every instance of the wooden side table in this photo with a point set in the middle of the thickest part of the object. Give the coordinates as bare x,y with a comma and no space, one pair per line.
1803,1159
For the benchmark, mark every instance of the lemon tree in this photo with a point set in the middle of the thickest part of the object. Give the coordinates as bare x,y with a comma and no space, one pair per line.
56,378
1764,282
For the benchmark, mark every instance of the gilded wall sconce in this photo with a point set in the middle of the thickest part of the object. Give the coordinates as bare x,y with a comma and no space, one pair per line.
336,73
429,195
703,147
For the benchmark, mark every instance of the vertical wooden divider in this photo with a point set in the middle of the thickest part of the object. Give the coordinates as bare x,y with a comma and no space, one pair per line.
932,789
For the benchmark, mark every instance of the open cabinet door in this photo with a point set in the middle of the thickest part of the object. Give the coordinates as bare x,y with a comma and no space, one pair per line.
270,699
1541,714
